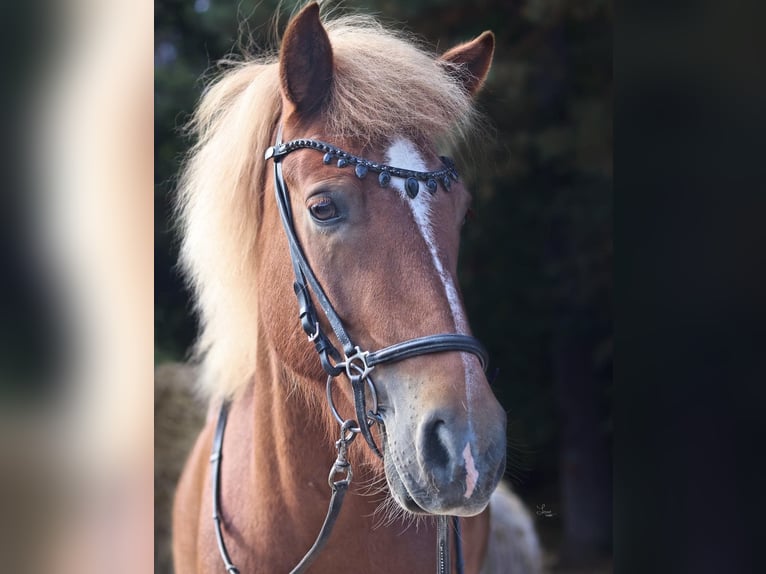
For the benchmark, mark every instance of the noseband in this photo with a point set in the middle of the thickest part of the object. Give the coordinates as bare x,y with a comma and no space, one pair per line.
357,364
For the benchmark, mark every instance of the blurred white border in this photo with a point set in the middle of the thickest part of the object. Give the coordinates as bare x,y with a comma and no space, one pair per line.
92,117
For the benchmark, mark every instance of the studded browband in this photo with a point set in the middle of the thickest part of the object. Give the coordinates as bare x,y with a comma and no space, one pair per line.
362,166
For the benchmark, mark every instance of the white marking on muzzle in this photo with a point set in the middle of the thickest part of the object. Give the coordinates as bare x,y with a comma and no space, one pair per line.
404,154
471,474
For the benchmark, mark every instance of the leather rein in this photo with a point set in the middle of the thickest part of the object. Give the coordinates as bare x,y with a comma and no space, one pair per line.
355,363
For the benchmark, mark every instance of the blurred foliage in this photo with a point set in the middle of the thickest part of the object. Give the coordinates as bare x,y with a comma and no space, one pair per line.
537,257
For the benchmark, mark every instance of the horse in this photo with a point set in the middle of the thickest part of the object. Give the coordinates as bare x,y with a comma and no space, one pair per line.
316,174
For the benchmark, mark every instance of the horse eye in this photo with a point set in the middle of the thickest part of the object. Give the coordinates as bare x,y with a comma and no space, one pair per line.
324,209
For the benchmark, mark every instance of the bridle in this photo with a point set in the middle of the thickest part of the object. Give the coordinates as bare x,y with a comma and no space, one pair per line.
355,363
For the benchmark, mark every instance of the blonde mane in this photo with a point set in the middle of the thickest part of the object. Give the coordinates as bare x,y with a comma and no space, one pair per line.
385,84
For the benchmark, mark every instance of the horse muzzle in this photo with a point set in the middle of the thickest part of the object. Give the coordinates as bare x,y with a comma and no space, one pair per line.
445,462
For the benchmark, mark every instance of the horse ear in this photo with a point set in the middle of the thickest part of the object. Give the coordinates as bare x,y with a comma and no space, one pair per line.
473,60
305,63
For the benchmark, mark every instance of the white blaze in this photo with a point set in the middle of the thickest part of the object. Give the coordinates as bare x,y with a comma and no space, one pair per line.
403,154
471,474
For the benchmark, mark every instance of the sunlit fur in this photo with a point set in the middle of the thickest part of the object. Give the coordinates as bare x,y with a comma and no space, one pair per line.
385,83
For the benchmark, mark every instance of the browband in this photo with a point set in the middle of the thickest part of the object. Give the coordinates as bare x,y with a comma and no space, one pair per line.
431,179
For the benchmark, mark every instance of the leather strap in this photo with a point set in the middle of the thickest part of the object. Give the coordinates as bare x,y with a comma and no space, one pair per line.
458,545
303,272
429,344
336,501
215,459
339,489
443,565
358,386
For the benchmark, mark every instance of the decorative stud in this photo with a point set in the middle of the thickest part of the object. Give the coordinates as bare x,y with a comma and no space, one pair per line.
431,185
327,158
412,186
447,182
360,170
384,179
342,162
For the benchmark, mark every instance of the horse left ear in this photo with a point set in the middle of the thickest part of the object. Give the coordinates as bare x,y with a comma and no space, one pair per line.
473,60
305,63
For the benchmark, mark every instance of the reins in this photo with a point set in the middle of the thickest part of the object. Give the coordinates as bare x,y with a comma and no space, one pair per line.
355,363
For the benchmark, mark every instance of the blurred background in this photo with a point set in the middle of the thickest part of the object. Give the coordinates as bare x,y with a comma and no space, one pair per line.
76,285
536,261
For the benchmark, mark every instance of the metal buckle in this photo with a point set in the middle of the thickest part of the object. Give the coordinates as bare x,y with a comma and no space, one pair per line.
358,356
341,464
313,337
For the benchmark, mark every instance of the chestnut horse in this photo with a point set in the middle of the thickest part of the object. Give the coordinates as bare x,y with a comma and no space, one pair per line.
383,246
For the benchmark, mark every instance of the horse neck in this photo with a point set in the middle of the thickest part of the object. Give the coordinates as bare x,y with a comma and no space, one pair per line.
290,444
291,440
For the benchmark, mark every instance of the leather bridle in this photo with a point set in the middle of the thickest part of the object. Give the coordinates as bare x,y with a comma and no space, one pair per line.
357,364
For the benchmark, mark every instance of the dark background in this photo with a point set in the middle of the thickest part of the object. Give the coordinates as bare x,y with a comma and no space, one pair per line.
536,261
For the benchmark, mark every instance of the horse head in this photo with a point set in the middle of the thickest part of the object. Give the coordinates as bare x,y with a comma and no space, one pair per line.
385,247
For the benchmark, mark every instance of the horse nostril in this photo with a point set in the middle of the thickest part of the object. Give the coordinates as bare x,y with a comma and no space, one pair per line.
435,448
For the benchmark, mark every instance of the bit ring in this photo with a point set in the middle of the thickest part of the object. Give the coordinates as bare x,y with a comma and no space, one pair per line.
373,394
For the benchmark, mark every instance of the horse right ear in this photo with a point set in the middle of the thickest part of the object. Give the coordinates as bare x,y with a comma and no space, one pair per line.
305,63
